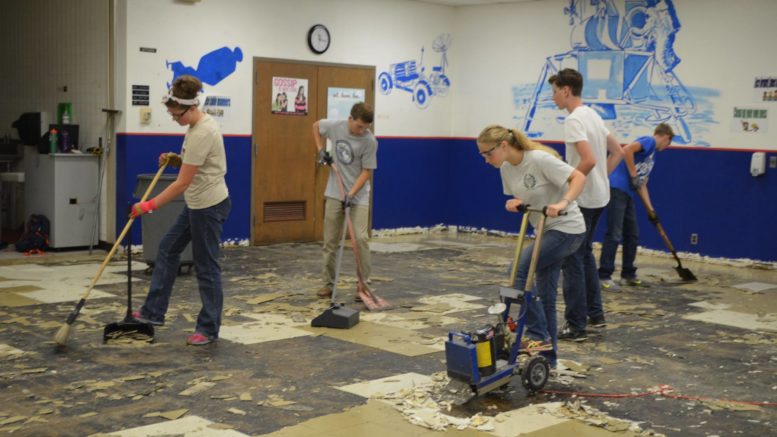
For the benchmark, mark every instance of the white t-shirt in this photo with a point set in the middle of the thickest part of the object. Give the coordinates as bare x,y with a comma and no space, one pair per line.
203,146
540,179
584,124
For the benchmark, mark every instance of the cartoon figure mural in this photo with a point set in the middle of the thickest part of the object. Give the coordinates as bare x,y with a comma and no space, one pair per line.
212,68
627,61
406,75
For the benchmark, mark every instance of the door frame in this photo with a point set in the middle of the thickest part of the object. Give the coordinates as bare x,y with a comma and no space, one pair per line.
254,149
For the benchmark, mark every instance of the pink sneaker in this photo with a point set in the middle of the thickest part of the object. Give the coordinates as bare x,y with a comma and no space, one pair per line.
139,317
198,339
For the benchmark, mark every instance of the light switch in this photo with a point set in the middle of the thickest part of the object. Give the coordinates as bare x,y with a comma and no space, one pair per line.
145,115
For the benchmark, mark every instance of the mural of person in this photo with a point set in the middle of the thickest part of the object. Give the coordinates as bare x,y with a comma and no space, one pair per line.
534,174
300,102
201,181
587,142
355,154
630,178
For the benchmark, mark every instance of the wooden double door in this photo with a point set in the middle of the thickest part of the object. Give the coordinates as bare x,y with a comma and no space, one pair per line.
288,186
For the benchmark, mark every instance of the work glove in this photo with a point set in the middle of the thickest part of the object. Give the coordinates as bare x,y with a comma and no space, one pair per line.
324,158
635,183
347,201
653,217
141,208
172,159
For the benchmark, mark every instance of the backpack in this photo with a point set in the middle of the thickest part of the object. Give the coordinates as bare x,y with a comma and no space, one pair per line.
36,236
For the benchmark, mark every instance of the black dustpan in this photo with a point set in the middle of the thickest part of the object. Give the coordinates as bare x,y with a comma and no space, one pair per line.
129,328
338,316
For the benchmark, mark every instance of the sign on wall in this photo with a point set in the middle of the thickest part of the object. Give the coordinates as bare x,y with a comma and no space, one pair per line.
765,89
218,107
749,120
290,96
340,100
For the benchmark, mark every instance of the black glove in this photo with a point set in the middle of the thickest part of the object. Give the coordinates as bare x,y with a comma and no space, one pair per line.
653,217
347,201
634,183
324,158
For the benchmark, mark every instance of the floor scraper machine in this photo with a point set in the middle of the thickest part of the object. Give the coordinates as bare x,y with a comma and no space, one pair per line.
486,358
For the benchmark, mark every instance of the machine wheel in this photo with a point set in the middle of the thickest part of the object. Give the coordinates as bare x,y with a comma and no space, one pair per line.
535,374
421,94
385,83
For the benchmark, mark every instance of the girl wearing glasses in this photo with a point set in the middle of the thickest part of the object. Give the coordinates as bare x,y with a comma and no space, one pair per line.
535,174
201,180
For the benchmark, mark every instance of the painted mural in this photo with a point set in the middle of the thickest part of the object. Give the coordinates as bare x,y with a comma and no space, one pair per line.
212,68
627,58
412,76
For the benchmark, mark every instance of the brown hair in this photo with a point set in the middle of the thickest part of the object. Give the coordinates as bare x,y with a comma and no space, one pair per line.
363,111
184,87
568,77
495,134
664,129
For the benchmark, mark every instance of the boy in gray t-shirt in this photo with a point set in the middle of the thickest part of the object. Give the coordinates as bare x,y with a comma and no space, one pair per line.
354,153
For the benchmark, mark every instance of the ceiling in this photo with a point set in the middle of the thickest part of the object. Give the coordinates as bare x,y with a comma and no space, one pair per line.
471,2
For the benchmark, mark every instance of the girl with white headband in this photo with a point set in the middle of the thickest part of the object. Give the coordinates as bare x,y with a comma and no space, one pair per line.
201,180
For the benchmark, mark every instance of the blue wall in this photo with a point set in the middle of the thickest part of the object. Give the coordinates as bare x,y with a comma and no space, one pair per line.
427,181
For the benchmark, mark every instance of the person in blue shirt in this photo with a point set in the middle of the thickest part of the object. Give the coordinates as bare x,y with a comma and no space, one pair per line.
628,178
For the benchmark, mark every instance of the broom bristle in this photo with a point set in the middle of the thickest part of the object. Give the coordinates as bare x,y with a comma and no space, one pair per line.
62,335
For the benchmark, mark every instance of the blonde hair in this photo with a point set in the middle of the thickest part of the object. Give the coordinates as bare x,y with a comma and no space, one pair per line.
495,134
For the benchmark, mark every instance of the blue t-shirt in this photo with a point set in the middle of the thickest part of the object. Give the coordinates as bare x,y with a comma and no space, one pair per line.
643,160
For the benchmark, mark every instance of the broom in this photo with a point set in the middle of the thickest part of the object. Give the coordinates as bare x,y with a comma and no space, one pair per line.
64,332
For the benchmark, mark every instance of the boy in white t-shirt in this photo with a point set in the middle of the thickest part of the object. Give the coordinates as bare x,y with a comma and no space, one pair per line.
587,142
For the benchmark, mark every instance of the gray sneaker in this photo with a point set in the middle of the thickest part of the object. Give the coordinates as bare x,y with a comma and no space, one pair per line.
632,282
608,285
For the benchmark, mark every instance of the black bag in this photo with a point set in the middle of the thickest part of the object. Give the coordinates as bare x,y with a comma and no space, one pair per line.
36,236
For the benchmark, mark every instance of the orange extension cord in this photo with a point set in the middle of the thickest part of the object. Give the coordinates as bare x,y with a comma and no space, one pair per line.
662,390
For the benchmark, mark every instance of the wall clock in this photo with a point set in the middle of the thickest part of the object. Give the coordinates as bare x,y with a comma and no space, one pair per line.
319,39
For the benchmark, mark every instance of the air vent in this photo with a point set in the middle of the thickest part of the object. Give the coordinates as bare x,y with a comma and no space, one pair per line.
284,211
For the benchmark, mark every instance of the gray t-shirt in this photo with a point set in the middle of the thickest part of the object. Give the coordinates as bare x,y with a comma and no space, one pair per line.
540,179
351,154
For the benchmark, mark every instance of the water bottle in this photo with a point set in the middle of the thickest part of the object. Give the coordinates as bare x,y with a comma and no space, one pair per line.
53,146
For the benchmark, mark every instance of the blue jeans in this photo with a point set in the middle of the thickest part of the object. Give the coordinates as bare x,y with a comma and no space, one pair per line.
621,225
582,295
203,228
541,318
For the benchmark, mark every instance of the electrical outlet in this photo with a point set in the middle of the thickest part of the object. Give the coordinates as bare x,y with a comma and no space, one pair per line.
773,161
694,238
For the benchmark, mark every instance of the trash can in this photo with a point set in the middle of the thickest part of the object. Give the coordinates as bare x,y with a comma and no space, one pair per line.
154,226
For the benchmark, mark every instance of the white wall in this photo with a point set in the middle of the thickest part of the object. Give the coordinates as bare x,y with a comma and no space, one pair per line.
723,45
364,32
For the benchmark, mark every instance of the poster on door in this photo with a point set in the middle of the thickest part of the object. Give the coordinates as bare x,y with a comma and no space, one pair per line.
290,96
340,100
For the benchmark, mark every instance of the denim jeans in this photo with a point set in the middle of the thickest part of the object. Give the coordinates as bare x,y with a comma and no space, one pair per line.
541,318
203,228
621,226
582,295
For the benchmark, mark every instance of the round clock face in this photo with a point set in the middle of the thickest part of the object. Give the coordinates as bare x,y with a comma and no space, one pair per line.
318,38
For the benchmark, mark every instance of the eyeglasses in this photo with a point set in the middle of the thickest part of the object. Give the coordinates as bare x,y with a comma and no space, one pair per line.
487,153
180,114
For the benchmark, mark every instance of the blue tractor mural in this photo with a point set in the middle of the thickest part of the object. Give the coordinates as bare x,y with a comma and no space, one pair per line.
407,76
624,59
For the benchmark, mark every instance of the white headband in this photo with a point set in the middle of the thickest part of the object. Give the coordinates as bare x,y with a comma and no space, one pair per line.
187,102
